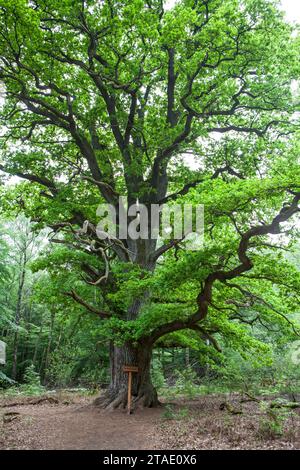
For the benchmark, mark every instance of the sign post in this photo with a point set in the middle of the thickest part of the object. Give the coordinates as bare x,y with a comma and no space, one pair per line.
129,370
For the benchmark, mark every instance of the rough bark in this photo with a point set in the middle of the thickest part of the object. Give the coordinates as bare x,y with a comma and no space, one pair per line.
143,392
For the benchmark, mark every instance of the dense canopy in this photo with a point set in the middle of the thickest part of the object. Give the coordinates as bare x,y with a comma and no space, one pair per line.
193,103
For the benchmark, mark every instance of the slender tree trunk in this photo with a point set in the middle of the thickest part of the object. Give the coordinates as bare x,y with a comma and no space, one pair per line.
42,360
28,328
18,318
187,357
48,350
37,343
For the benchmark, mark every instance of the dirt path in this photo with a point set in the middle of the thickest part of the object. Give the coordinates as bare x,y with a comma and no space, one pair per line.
70,422
77,426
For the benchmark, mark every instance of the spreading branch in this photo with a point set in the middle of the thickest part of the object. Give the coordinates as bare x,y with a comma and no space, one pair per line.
100,313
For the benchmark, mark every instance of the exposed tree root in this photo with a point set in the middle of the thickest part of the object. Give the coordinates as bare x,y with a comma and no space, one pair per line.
146,399
111,401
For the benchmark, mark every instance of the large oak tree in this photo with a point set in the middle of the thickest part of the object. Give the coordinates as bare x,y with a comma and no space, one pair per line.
114,97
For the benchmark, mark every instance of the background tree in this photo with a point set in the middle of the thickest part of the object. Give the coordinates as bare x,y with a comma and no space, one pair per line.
106,99
3,256
17,308
24,242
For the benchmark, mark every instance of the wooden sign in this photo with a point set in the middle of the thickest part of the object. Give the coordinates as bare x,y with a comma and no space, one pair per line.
129,370
2,353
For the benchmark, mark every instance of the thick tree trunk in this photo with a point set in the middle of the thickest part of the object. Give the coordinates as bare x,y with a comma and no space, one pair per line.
143,392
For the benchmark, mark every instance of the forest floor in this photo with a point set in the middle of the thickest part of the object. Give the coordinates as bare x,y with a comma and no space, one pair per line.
69,421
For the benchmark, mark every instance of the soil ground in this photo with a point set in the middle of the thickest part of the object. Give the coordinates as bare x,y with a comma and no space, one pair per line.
71,422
